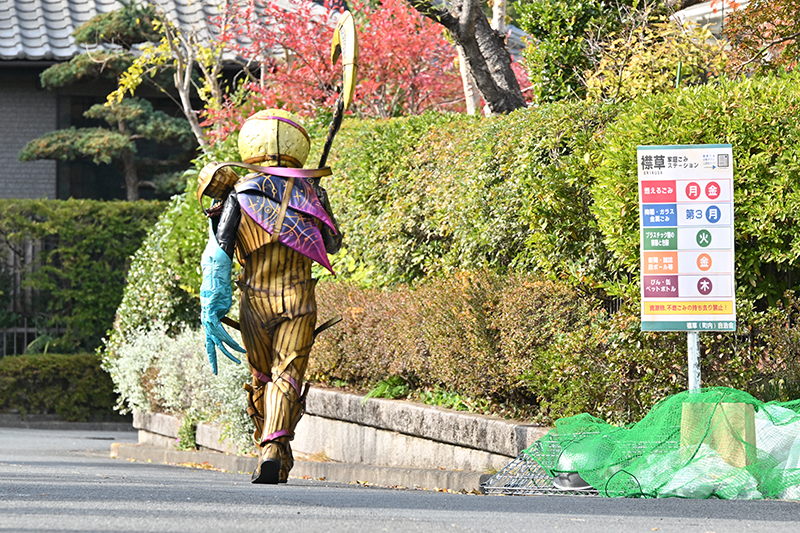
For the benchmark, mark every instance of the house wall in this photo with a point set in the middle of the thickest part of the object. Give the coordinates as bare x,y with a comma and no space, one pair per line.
28,111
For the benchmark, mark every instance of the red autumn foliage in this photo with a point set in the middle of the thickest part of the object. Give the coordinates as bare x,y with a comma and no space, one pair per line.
406,66
763,35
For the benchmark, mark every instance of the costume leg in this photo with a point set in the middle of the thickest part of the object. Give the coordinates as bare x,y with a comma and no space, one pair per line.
277,350
257,319
285,399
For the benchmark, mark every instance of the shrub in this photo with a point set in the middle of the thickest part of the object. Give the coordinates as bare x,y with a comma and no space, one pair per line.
464,194
561,30
474,247
511,191
155,292
164,279
476,334
169,373
79,274
610,368
73,387
756,117
516,345
648,57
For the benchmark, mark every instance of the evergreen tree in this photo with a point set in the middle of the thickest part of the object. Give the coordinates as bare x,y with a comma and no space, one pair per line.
129,122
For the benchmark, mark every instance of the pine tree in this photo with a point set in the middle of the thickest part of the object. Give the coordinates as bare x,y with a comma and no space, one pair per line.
129,122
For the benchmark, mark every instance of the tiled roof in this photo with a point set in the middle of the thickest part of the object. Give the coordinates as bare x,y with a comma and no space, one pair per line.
42,29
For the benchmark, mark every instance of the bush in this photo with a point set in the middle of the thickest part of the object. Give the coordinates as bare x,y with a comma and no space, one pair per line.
169,373
73,387
477,334
506,192
156,292
516,345
79,274
522,345
510,192
561,30
164,279
610,368
756,116
481,254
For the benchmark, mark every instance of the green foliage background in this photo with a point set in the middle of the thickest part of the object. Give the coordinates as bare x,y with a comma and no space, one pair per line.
72,387
429,195
559,29
495,259
81,273
757,118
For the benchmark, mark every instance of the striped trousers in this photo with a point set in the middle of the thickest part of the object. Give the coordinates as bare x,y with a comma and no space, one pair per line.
278,314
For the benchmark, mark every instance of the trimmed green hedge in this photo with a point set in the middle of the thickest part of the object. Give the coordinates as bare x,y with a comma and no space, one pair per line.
80,274
434,194
756,116
540,209
73,387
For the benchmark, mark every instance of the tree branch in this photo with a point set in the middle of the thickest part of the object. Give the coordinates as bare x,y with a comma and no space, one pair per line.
766,47
436,14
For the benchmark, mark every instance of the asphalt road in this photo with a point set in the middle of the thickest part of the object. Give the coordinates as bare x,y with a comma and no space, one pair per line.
65,481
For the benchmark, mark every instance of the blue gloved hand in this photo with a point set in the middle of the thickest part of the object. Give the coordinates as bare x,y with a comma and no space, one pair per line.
215,301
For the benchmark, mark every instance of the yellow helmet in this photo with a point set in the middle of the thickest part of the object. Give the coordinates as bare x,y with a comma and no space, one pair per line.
274,137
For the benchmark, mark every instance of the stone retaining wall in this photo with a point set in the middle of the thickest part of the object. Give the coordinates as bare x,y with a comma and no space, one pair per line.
346,428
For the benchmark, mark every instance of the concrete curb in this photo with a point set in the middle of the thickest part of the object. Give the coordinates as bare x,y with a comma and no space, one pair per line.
466,430
364,440
413,478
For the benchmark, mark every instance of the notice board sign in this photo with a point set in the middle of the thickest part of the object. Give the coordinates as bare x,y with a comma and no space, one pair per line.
686,237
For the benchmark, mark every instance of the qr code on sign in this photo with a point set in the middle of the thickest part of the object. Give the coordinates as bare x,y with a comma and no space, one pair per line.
723,160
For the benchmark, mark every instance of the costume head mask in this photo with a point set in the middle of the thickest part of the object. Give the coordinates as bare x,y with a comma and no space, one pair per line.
274,138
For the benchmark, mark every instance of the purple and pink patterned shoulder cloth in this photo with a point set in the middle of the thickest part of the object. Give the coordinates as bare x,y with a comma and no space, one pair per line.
261,197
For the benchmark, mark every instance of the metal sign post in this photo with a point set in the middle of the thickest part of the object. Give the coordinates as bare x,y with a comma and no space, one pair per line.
686,242
693,344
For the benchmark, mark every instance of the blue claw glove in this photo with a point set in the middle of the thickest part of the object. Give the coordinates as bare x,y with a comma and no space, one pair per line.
215,301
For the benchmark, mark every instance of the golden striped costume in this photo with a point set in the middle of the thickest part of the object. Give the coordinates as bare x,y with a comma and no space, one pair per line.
273,220
278,314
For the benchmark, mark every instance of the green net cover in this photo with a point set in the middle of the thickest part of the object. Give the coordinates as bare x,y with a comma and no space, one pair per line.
718,442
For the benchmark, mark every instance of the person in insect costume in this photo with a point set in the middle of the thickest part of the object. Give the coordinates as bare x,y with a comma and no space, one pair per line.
277,220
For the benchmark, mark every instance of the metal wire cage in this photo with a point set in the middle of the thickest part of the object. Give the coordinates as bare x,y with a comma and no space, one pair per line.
525,477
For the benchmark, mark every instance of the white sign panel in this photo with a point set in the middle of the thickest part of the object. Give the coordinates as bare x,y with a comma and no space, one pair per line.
686,237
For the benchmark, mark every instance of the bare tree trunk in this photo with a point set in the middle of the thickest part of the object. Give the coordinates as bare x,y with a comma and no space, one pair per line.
131,177
471,96
499,16
184,54
487,56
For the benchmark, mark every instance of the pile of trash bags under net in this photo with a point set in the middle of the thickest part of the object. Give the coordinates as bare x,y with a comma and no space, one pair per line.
718,442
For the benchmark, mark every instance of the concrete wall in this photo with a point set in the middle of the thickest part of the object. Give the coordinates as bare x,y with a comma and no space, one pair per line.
28,111
346,428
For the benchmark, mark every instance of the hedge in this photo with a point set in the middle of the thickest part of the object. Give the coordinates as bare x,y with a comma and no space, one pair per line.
73,387
79,275
467,238
514,345
756,116
419,196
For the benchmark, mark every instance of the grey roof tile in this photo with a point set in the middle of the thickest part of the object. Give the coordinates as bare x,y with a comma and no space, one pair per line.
42,29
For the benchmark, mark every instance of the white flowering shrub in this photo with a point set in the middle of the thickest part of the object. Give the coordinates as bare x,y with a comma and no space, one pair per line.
158,372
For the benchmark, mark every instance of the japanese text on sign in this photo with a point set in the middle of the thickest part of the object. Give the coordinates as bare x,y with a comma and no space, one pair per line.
686,237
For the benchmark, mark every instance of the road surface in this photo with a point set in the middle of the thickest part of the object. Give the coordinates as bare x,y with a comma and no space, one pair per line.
65,481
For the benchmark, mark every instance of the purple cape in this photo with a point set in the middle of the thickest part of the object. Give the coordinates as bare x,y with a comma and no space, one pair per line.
261,198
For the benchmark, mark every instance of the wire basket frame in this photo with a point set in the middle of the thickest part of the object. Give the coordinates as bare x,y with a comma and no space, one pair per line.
525,477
